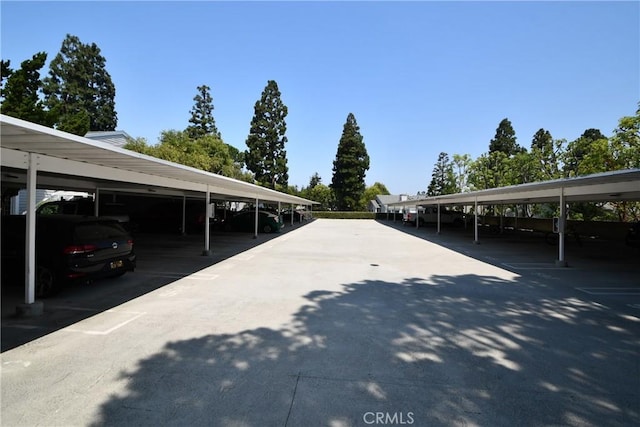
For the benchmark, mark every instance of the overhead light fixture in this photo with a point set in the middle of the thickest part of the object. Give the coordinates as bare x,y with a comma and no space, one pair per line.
614,195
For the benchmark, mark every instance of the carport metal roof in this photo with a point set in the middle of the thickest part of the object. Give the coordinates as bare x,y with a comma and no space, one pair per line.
601,187
73,161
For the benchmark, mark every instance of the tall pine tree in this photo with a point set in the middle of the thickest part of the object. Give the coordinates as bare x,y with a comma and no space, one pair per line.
350,167
79,91
20,95
266,156
505,139
443,180
202,121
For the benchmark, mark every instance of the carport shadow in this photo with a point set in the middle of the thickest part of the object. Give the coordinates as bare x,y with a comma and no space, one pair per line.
441,351
504,250
162,259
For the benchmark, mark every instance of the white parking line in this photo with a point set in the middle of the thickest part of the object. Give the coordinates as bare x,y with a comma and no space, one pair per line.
109,330
176,275
611,291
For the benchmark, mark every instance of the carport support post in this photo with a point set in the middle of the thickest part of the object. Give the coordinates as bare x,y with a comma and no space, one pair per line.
255,234
207,247
560,262
475,223
417,218
184,213
96,203
30,306
438,218
292,214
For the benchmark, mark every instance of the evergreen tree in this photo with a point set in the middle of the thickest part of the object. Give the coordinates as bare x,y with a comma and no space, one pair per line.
266,156
587,145
545,152
20,95
443,180
79,91
202,121
505,139
350,167
5,73
315,180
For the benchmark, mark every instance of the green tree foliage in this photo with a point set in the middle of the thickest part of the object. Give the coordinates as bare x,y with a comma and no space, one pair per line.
322,194
314,180
21,93
202,121
461,165
580,157
5,73
79,87
207,153
505,139
625,143
350,167
545,156
443,180
266,156
372,191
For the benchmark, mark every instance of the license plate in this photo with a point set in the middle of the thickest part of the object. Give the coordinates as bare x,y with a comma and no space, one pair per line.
116,264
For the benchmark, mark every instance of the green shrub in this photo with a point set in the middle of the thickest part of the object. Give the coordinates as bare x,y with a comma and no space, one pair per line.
344,215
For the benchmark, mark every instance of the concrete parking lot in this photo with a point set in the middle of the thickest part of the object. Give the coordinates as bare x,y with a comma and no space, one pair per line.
343,323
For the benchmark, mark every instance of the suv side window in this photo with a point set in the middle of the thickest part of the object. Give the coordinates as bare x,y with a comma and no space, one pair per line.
50,209
69,208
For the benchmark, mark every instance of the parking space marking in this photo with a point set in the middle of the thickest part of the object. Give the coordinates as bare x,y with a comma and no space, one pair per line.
611,291
101,321
177,275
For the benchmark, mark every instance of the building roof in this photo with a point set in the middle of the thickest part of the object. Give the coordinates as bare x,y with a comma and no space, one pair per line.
117,138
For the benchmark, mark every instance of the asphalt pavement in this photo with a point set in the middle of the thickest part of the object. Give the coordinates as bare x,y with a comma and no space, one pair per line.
347,323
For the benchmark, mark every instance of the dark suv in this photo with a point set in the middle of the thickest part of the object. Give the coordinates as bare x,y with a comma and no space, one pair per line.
85,206
68,248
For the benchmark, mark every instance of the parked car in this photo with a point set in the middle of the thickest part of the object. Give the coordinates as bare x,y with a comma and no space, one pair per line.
245,221
298,216
85,206
69,248
633,236
429,215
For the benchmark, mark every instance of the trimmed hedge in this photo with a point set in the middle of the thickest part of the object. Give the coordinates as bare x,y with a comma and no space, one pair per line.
344,215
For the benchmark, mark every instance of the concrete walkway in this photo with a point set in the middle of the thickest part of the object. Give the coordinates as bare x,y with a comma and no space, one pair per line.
340,323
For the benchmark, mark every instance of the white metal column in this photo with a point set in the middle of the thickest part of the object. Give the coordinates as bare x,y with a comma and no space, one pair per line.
184,214
30,243
561,229
207,243
292,214
255,234
438,217
475,224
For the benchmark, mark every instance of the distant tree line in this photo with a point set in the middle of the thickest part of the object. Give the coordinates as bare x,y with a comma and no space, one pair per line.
507,163
78,96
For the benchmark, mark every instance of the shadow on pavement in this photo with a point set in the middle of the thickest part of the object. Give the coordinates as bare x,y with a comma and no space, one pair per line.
442,350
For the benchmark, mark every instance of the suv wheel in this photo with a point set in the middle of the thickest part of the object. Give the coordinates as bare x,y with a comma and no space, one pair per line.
45,282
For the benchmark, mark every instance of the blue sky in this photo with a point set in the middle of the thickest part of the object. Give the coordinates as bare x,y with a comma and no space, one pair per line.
420,77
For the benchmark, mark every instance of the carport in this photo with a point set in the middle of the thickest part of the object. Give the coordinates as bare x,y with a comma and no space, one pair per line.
35,156
614,186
